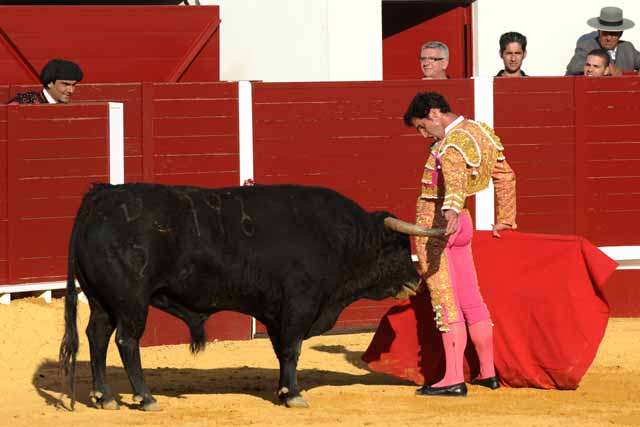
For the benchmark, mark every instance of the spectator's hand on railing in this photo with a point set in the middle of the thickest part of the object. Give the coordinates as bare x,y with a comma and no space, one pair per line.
614,71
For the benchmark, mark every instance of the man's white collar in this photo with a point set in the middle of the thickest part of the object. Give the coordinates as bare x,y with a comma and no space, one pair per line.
453,124
50,99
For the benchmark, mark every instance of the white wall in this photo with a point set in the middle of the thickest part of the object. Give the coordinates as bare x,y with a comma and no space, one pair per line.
551,27
300,40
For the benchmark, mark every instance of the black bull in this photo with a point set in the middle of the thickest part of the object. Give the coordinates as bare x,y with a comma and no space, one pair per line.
291,256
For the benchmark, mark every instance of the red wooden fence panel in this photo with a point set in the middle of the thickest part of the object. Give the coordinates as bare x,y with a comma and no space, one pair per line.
54,153
112,43
612,160
535,119
129,94
195,134
348,136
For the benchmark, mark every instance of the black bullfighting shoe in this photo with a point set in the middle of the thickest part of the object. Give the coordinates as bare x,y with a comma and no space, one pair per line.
455,390
491,382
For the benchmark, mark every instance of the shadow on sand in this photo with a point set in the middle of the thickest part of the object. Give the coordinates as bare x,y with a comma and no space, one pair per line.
177,382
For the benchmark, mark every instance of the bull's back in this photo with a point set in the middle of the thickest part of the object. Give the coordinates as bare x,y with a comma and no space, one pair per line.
155,236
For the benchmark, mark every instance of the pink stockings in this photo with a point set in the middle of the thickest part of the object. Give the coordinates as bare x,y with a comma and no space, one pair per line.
454,343
482,337
471,309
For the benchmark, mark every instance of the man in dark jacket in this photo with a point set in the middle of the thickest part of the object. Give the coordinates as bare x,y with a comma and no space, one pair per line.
59,79
610,25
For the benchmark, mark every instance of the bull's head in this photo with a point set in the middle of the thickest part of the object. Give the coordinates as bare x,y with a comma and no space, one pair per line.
410,288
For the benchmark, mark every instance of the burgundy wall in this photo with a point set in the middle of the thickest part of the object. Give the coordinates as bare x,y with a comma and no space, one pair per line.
43,181
112,43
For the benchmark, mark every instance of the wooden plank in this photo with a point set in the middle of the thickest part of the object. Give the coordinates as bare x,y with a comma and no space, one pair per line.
195,91
194,50
209,179
196,144
144,42
57,231
212,125
196,107
45,169
623,293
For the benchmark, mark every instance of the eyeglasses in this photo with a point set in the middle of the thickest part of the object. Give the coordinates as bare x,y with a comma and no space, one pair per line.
430,59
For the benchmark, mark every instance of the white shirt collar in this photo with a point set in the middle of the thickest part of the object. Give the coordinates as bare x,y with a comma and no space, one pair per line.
50,99
453,124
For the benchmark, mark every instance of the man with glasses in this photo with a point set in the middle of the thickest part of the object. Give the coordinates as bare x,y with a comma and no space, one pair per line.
434,59
610,25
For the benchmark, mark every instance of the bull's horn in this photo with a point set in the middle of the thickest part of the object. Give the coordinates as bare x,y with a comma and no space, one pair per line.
411,229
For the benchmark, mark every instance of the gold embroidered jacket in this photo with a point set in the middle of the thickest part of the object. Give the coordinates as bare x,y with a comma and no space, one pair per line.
463,163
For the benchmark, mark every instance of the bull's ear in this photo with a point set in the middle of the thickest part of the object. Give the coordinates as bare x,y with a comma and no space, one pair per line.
411,229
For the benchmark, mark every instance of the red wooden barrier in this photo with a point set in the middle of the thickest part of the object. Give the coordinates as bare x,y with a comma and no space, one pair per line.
574,145
112,43
350,137
50,156
558,132
192,135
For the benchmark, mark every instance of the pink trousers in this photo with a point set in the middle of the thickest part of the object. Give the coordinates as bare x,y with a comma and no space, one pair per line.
462,273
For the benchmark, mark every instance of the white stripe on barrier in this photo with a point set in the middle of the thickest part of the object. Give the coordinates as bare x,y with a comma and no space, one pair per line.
628,257
116,143
245,122
44,288
483,111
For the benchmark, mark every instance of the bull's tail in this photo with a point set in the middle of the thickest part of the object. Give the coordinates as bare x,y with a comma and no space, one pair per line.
69,345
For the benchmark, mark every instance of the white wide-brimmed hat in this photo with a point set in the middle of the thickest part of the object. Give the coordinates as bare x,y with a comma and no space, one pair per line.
610,19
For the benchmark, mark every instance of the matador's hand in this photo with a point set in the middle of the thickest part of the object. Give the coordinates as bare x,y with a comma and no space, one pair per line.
497,228
452,221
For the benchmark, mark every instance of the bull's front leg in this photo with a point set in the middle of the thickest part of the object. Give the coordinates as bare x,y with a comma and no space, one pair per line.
288,353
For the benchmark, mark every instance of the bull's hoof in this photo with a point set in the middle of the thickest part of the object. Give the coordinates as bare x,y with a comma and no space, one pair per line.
102,402
296,402
150,405
110,405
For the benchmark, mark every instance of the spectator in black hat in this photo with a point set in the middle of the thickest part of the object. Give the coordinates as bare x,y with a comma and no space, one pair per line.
59,79
610,25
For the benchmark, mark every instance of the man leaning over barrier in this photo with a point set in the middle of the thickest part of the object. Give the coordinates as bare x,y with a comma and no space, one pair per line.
59,78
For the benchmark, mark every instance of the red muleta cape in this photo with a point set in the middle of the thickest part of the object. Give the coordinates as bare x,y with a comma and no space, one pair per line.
545,296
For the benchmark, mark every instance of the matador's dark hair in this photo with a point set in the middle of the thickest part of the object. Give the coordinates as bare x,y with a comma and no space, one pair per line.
60,69
422,103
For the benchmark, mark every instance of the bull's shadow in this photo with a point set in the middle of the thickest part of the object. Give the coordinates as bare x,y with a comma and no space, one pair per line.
178,382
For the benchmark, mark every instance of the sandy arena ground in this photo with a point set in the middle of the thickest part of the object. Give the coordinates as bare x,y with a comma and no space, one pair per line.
233,383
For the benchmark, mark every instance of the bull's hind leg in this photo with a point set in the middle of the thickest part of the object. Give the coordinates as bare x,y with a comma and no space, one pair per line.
99,332
129,331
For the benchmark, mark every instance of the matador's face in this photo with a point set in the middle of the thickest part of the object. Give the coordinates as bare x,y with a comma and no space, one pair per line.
430,126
